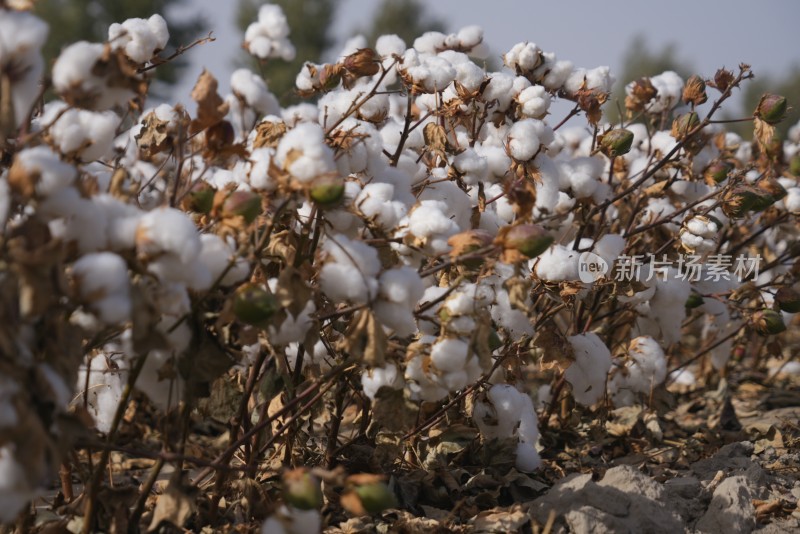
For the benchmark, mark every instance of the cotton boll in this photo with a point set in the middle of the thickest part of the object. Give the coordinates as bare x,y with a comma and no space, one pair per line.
388,45
599,78
528,459
74,75
84,134
449,355
534,102
523,57
351,274
558,264
669,87
293,329
252,89
792,200
609,247
107,376
268,36
472,166
516,322
165,390
587,374
683,377
499,90
649,362
167,230
139,38
497,161
103,283
420,384
374,379
526,136
22,36
303,153
216,255
44,168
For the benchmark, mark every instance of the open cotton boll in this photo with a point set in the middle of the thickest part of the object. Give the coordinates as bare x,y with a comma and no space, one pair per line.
268,36
293,329
44,168
216,254
459,206
649,362
139,38
22,36
429,73
108,374
374,379
167,230
103,283
669,87
252,89
534,102
429,222
557,264
609,247
87,135
581,176
599,78
450,355
421,384
388,45
473,166
74,74
350,276
525,137
523,57
303,153
792,200
587,374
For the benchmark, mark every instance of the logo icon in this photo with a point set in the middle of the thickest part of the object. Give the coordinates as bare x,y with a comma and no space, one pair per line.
591,267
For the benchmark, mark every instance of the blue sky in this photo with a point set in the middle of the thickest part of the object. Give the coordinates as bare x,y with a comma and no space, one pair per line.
707,33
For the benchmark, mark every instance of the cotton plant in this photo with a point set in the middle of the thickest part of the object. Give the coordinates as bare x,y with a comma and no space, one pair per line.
416,232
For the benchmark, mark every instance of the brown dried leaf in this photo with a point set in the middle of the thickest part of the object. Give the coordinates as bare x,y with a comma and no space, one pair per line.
153,137
211,109
763,132
518,292
269,134
365,339
501,520
557,351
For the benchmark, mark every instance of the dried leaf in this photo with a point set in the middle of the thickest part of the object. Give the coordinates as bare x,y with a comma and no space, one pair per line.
763,132
501,520
556,350
211,109
365,339
153,137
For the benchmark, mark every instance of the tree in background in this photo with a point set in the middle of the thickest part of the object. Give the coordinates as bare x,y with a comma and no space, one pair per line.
76,20
311,22
406,18
639,62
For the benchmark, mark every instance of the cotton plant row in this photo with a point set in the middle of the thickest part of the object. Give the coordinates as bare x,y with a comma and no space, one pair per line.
420,218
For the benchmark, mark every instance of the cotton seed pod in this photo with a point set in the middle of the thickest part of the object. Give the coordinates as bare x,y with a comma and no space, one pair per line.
375,497
362,62
245,204
200,198
616,142
772,108
738,201
330,76
788,299
773,188
694,92
723,79
694,301
253,305
529,239
684,124
767,322
327,190
302,490
718,171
